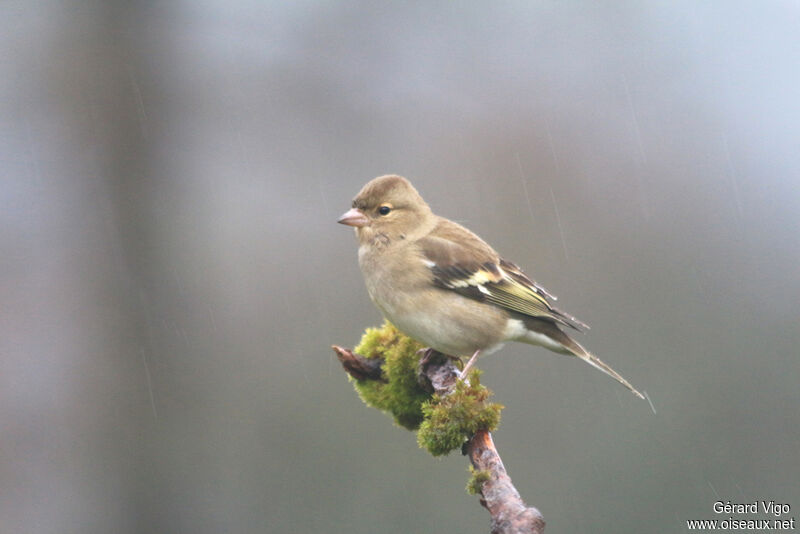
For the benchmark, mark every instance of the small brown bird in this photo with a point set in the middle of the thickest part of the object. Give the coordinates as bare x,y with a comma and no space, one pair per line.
442,285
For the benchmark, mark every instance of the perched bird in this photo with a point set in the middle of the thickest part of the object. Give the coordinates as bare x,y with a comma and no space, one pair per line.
442,285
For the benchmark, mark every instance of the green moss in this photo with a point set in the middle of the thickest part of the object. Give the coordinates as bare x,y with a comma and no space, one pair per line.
444,423
451,420
401,395
476,480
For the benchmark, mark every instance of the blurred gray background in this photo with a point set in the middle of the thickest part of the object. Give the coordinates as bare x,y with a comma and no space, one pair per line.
172,277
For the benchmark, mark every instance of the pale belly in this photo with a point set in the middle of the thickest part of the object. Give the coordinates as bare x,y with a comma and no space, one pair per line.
458,333
440,319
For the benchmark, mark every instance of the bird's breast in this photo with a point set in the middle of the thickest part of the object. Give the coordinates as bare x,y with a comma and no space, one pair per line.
401,286
391,282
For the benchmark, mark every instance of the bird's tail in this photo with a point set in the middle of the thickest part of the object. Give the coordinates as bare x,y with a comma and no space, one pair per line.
597,363
567,345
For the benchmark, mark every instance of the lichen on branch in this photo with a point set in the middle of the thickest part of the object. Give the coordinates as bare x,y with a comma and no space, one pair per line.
444,423
477,478
399,392
451,420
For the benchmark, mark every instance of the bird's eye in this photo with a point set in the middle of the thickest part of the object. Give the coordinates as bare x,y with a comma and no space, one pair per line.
384,210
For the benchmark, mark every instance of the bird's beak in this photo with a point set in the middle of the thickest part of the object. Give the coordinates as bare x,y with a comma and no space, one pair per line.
354,217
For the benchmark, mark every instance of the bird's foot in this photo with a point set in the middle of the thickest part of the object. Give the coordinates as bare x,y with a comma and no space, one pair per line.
437,371
439,367
427,355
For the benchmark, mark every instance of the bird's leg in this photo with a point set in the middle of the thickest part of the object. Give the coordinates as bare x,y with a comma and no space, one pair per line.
469,364
427,354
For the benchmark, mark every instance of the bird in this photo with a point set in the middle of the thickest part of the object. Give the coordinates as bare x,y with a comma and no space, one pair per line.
442,285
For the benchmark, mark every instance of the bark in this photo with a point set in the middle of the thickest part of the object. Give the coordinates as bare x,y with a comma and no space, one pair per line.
509,513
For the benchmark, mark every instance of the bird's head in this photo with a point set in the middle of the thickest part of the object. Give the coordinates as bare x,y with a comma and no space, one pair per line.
388,206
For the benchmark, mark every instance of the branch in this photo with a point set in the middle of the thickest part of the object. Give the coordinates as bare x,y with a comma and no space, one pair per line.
357,366
509,514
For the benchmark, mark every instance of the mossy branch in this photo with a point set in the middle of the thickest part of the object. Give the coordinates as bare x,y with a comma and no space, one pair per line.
422,392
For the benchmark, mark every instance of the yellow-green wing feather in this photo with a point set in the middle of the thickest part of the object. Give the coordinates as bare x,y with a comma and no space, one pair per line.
461,261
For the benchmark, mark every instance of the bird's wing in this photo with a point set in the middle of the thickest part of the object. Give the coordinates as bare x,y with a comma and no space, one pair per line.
461,261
